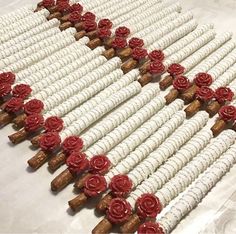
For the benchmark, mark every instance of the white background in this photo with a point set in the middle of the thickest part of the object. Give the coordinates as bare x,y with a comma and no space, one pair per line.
28,206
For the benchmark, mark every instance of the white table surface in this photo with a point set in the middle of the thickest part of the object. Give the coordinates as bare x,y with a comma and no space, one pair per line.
28,206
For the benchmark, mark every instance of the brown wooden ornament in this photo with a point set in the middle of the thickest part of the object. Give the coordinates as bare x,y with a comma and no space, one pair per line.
6,118
79,184
166,82
193,108
171,96
131,225
35,140
104,203
78,202
38,160
65,25
19,121
55,162
94,43
19,136
104,227
129,65
218,127
213,108
189,94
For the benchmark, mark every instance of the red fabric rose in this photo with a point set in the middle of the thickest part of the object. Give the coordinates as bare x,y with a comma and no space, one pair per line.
135,42
63,6
72,143
103,33
5,89
148,206
175,69
205,94
77,162
14,105
7,77
227,113
53,124
119,211
122,32
49,141
139,53
224,94
120,185
76,8
203,79
181,83
150,228
33,122
99,164
88,16
119,43
156,68
75,17
21,91
105,23
95,185
89,25
156,55
33,106
48,3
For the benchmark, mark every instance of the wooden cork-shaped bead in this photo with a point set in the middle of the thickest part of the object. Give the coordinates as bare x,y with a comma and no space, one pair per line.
145,79
144,68
6,118
65,26
78,202
213,108
171,96
131,225
189,94
19,121
35,140
92,35
108,42
65,18
57,161
18,136
79,184
218,127
104,203
62,180
94,43
124,54
193,108
79,26
129,65
166,82
56,15
80,35
104,227
38,160
110,53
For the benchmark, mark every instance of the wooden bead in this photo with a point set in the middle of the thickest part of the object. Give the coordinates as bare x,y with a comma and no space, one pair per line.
108,42
193,108
131,225
92,35
213,108
218,127
108,54
38,160
124,54
189,94
79,26
129,65
52,9
65,18
65,25
78,202
62,180
79,184
79,35
35,141
166,82
94,43
145,79
57,161
143,69
104,227
18,136
19,121
5,118
104,203
56,15
171,96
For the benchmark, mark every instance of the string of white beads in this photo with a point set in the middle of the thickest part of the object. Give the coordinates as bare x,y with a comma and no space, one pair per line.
140,22
138,14
70,104
44,81
27,43
27,35
103,108
165,127
223,65
185,36
126,128
39,18
225,79
16,15
186,153
53,58
72,92
64,61
25,62
212,59
188,51
118,116
202,53
193,169
34,48
198,190
168,148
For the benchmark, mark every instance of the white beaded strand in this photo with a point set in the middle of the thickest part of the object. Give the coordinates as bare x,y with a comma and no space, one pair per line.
197,190
186,153
168,148
118,116
164,128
